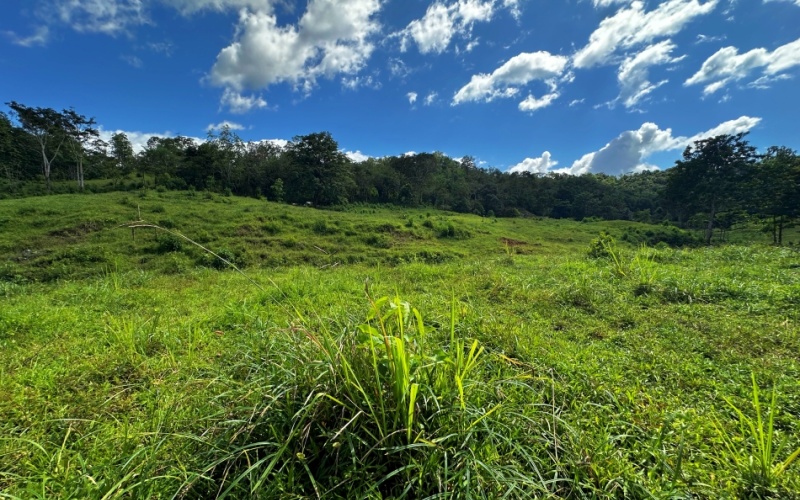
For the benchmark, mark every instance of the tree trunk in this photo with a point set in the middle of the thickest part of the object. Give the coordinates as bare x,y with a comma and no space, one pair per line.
80,174
46,168
710,227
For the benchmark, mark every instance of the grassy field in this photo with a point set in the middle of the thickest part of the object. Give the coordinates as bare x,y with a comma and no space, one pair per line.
386,353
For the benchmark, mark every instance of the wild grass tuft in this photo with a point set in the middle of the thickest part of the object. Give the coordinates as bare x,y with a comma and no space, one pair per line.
757,448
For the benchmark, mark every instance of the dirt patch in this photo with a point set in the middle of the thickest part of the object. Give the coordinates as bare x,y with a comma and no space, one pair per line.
78,230
513,243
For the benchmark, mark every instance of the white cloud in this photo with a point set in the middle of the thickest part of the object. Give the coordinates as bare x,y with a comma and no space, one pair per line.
607,3
433,32
240,104
139,139
39,37
279,143
513,7
634,73
628,151
708,39
645,167
575,102
632,26
398,68
796,2
219,126
166,48
193,6
431,98
133,61
506,80
531,104
358,81
540,165
99,16
727,66
766,81
442,22
737,126
412,97
332,37
356,156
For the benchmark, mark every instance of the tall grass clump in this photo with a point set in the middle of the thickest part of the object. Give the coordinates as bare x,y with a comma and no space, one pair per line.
393,409
757,449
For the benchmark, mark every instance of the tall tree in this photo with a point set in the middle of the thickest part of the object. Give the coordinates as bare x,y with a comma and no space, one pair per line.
48,127
322,173
710,177
9,149
229,149
122,152
777,189
82,134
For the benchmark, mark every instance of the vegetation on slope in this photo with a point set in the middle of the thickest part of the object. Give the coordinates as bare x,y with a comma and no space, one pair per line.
542,359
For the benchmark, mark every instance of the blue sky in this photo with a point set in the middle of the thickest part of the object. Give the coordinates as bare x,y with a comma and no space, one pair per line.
569,85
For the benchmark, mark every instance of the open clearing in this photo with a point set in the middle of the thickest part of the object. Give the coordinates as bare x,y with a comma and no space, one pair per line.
136,365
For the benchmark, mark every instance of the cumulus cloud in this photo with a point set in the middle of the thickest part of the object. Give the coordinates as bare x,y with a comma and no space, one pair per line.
39,37
356,156
633,26
332,37
518,71
431,98
540,165
240,104
412,97
442,22
634,72
628,151
727,65
216,127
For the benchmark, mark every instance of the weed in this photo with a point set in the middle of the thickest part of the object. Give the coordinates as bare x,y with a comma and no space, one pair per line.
757,449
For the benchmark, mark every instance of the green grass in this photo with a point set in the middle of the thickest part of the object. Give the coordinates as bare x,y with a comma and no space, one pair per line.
383,358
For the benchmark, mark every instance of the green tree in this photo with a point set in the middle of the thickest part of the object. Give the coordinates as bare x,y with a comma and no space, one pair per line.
122,152
228,152
711,176
320,172
48,127
82,135
277,191
10,156
777,189
163,156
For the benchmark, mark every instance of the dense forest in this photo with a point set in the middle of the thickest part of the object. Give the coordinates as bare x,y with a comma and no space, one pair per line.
717,183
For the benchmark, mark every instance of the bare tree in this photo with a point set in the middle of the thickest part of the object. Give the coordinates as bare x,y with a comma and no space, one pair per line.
48,127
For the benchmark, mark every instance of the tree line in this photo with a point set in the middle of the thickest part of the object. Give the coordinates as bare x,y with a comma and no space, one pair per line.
717,182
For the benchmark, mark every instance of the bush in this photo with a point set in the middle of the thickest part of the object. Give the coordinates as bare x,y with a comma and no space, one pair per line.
602,246
456,233
653,235
166,243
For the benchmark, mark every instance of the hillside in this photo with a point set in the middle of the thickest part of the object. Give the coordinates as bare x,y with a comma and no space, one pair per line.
522,357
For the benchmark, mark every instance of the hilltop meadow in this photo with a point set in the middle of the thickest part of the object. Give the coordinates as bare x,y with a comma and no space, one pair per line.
387,352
